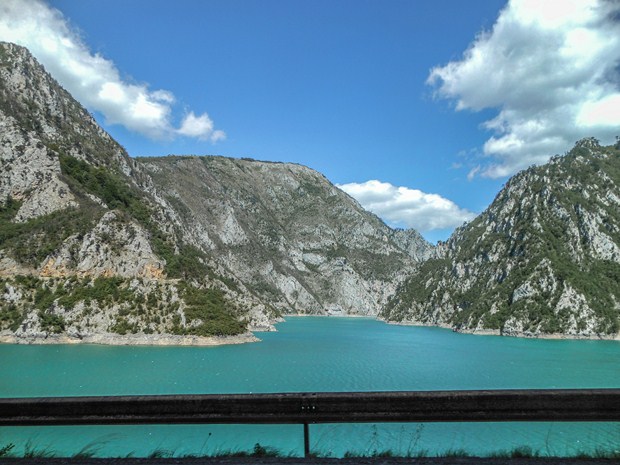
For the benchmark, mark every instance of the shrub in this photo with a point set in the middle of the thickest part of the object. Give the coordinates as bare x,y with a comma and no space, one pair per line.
212,310
52,323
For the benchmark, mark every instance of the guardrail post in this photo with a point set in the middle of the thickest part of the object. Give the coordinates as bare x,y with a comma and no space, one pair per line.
306,440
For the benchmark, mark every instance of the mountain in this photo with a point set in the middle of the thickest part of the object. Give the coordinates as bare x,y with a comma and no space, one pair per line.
101,247
543,259
95,244
285,232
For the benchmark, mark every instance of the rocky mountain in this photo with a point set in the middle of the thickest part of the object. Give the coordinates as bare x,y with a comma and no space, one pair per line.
543,259
95,243
285,232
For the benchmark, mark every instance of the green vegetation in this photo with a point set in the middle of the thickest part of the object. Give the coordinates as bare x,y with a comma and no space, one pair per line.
311,188
209,313
103,290
122,326
106,185
187,263
312,267
497,253
263,288
415,289
51,323
182,260
31,241
10,316
152,309
9,209
475,286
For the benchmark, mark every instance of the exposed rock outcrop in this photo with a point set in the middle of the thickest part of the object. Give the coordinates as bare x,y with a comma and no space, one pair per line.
286,232
543,259
184,246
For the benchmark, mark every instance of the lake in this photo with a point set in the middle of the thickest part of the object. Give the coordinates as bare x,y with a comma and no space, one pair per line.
315,354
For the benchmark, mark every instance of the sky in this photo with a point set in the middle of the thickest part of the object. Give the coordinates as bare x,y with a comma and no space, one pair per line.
420,109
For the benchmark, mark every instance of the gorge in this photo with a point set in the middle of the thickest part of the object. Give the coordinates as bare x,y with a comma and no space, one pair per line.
96,246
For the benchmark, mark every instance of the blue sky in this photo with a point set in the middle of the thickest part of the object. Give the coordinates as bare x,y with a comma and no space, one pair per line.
435,102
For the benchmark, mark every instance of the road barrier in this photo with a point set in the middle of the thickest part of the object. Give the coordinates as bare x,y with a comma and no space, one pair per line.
321,407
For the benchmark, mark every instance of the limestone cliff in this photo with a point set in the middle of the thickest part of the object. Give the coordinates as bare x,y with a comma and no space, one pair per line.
284,231
543,259
94,242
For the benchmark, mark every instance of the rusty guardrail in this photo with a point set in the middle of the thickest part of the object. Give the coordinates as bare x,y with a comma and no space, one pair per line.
325,407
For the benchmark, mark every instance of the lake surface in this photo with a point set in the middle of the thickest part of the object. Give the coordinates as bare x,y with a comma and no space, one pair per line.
316,354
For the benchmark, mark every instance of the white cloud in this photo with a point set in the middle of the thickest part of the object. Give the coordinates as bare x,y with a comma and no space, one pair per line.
600,112
551,69
93,80
410,207
200,127
218,135
473,172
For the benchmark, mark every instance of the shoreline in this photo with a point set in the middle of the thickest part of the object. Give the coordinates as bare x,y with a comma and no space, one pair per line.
111,339
329,315
497,332
473,332
171,340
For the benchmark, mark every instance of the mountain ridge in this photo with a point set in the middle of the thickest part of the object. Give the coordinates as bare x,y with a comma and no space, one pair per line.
543,259
95,244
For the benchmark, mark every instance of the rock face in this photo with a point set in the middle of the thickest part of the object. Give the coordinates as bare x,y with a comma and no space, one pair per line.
544,258
286,233
95,243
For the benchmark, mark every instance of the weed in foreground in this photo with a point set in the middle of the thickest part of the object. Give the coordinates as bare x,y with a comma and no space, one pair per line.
161,454
32,452
599,453
90,450
454,453
258,451
521,452
5,451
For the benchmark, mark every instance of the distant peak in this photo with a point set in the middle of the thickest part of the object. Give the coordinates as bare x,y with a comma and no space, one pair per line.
588,142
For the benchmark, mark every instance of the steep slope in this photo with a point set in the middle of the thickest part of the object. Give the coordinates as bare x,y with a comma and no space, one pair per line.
79,254
94,243
287,233
57,163
39,121
544,258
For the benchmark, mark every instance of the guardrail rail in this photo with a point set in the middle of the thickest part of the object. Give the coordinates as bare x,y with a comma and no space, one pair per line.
322,407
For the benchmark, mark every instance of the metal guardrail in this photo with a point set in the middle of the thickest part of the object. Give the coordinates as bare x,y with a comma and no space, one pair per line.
307,408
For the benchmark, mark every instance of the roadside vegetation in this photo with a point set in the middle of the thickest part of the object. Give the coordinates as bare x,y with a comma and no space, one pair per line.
93,450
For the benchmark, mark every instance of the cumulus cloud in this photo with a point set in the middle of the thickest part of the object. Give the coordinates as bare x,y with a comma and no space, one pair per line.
92,79
410,207
200,127
551,69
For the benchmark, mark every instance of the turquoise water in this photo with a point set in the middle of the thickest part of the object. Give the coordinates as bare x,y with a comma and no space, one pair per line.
316,354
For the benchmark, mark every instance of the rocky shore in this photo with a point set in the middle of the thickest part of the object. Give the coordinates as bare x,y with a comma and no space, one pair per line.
128,339
497,332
